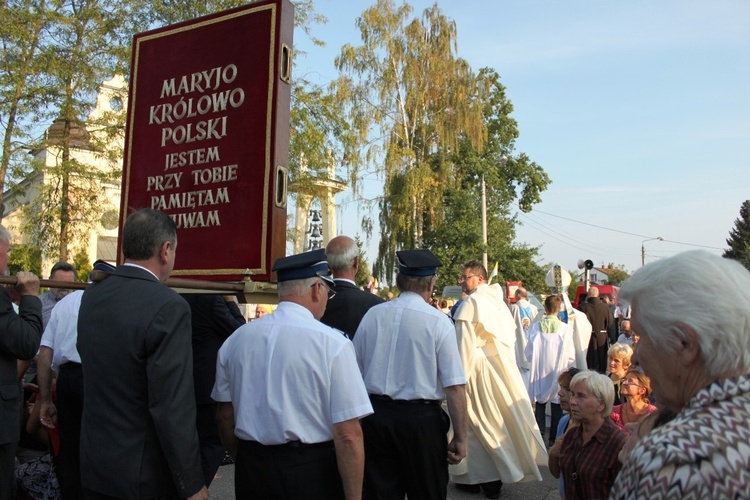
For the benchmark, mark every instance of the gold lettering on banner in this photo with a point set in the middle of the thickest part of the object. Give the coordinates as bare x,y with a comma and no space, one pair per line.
192,157
194,108
196,219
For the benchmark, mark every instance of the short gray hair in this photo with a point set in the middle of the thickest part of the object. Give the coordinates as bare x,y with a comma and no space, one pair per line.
296,287
682,289
600,386
344,259
416,284
145,231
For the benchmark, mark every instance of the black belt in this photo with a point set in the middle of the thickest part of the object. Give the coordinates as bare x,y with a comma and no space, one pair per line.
288,444
383,397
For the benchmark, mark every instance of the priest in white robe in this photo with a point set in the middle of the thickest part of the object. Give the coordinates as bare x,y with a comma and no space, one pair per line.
504,443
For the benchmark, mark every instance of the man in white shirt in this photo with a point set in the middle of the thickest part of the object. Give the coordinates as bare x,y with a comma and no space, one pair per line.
58,353
290,396
408,356
626,334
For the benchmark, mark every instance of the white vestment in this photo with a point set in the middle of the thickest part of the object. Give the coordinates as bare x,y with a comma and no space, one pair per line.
503,439
581,333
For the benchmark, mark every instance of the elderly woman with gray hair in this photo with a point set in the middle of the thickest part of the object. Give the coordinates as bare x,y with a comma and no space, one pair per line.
695,346
588,458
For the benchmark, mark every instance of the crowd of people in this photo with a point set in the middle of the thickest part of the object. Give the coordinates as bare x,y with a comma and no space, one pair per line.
337,393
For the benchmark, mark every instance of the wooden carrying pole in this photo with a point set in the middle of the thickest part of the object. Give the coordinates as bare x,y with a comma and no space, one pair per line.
208,286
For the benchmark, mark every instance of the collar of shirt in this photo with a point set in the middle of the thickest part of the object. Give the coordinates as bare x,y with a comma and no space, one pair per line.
411,297
292,308
141,267
602,435
345,280
720,390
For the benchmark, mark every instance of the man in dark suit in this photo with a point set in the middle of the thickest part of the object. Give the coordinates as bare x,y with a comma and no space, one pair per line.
19,339
214,319
600,318
138,436
348,307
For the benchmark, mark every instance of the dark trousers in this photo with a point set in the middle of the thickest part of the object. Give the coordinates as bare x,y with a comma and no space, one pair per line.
541,418
406,448
212,451
92,495
596,357
7,462
293,471
69,415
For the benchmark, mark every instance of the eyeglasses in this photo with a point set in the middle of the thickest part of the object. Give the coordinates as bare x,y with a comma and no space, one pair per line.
466,278
331,293
629,382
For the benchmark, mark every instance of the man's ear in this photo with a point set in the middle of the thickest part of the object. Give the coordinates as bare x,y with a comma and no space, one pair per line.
689,349
317,289
355,262
164,249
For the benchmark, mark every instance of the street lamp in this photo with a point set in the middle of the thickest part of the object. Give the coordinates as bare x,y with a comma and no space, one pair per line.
484,223
643,249
503,160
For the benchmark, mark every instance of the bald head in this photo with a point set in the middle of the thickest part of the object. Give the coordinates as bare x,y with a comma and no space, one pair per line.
342,254
593,292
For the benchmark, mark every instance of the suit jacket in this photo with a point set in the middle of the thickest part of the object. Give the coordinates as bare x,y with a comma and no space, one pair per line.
599,316
345,311
138,427
213,320
20,335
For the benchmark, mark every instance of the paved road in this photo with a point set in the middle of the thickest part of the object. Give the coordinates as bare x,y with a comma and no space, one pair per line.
223,488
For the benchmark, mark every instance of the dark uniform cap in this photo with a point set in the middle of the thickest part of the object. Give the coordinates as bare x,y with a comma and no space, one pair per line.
303,265
417,262
101,265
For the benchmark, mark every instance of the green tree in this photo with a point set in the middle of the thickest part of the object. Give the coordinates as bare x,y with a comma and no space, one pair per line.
444,130
85,43
739,237
23,89
82,265
510,178
25,258
406,83
363,271
616,274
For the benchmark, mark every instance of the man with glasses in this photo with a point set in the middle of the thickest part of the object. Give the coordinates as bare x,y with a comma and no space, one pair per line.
409,359
504,443
290,397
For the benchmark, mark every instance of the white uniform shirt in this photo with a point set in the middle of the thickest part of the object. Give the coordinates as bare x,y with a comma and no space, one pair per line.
407,349
289,377
61,333
623,339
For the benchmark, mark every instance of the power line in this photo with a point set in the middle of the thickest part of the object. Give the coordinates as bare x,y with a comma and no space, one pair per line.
693,245
577,240
592,225
625,232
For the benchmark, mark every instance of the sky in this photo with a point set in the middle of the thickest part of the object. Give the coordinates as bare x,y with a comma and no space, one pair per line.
638,111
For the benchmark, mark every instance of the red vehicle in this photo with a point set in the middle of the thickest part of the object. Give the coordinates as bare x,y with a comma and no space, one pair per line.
608,289
510,290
